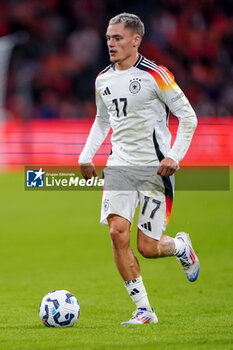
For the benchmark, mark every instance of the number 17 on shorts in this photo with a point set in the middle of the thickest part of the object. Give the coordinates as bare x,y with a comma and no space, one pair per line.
152,215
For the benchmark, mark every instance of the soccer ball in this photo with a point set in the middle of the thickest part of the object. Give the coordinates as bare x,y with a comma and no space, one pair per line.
59,308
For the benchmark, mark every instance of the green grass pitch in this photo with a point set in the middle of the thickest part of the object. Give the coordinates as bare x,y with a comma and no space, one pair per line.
53,240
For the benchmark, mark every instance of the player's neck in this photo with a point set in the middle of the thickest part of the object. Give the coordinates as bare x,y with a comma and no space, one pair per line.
128,62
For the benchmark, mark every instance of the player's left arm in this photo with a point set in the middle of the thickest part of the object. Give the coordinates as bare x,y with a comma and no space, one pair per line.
171,94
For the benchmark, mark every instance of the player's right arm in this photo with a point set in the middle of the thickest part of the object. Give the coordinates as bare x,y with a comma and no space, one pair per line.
97,135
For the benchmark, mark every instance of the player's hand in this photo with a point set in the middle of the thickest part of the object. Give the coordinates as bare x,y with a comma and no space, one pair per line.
88,171
167,167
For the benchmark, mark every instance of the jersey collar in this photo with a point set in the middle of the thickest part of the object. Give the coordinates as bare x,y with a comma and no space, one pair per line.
139,60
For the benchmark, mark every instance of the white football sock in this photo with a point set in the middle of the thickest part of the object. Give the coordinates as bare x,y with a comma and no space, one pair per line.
179,246
138,292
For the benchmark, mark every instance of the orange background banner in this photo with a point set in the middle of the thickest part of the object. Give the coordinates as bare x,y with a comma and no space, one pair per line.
59,142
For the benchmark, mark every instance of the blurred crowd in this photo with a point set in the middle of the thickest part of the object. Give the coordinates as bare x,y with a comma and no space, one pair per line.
61,48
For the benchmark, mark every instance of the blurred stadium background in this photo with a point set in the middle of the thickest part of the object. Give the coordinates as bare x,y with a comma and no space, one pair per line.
52,50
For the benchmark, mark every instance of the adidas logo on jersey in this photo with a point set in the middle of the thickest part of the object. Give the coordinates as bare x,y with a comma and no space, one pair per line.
147,226
106,92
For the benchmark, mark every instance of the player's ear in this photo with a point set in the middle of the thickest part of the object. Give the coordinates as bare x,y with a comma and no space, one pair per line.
137,40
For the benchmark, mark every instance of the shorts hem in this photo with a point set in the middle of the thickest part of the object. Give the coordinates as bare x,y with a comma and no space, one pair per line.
150,234
104,222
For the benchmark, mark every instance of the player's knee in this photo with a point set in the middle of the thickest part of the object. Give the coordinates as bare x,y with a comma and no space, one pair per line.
119,237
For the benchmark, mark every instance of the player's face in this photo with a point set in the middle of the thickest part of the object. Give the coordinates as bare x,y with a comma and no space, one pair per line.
122,42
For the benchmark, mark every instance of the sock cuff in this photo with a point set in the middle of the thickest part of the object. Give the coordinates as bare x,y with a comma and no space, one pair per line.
133,281
137,292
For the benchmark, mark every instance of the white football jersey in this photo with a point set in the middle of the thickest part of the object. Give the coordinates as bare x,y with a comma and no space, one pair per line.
135,103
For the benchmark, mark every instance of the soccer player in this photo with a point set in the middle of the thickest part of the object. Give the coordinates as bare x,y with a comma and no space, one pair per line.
133,97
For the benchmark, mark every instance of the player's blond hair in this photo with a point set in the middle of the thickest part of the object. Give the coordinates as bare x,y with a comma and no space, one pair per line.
130,21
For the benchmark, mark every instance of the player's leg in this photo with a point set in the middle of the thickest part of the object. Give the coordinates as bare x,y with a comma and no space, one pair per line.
118,208
154,248
124,257
128,267
180,246
158,248
152,222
